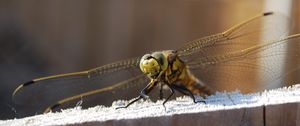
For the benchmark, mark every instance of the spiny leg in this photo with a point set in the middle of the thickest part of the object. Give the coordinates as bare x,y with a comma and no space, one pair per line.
136,99
186,91
143,94
172,93
161,93
181,91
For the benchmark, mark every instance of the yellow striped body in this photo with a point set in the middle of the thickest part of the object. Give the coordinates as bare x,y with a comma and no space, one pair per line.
167,67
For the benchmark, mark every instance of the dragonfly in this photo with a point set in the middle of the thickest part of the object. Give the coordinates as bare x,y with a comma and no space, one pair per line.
189,70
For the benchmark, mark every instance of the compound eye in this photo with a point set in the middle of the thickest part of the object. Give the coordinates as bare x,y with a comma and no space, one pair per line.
149,66
161,59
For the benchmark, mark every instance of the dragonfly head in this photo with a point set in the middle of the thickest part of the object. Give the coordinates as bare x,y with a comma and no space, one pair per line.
153,64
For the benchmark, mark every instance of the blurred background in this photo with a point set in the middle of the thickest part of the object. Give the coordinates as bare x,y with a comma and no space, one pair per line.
41,38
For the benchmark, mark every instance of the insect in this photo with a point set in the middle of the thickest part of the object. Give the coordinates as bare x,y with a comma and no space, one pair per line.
177,70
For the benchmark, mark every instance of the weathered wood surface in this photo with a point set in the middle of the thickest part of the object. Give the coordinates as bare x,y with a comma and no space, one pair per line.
271,108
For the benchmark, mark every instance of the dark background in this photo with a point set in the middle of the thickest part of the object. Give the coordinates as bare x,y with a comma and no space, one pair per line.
41,38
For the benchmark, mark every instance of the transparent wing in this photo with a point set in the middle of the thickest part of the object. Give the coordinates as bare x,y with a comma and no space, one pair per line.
255,68
103,85
238,59
245,34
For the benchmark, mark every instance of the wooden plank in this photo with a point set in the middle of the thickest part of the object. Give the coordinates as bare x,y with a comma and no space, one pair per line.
287,114
242,116
269,108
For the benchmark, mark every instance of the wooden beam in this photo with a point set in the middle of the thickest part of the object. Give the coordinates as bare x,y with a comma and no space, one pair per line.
268,108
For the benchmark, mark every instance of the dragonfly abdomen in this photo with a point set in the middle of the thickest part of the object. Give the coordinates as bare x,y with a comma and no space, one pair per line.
190,82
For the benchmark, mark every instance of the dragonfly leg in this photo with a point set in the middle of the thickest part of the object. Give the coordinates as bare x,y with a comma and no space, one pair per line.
138,98
172,93
143,94
161,93
186,91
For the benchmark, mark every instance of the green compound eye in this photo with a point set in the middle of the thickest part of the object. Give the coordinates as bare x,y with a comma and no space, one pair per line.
154,64
161,59
150,66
